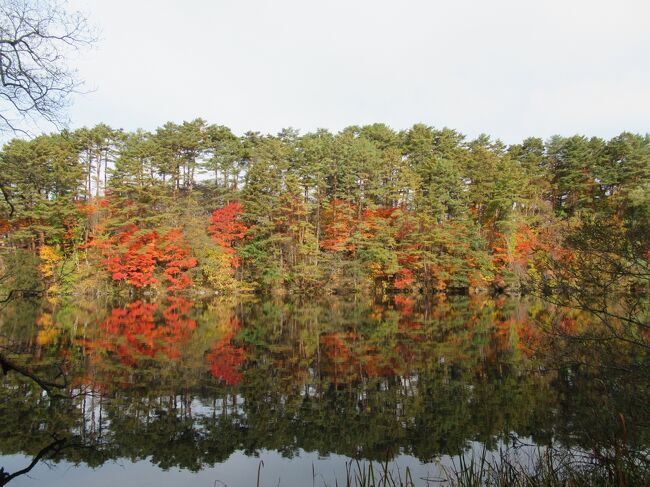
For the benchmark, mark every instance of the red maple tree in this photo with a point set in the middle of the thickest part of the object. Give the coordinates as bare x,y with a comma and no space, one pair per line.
135,256
226,227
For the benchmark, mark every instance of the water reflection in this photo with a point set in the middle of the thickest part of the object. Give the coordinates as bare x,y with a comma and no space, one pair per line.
186,384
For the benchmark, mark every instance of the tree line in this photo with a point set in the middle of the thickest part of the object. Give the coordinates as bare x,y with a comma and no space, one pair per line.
366,209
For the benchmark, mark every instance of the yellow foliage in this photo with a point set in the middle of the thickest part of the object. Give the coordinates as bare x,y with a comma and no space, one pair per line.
218,271
50,258
45,320
53,297
376,269
49,331
47,336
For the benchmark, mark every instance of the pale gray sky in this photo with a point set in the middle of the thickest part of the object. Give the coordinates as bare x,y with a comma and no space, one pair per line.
509,68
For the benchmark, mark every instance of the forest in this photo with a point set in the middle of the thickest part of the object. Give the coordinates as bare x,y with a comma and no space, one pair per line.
192,207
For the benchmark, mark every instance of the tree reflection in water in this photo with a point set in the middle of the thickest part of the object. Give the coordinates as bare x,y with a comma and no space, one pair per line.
185,384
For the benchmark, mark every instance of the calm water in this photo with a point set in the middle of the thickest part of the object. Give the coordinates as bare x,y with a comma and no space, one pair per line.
180,392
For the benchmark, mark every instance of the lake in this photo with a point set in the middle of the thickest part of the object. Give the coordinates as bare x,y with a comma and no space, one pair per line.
179,391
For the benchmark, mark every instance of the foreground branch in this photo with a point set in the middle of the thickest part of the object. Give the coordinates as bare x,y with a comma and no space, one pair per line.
7,366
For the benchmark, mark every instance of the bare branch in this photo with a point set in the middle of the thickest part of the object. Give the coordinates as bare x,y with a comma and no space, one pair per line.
36,38
6,477
7,366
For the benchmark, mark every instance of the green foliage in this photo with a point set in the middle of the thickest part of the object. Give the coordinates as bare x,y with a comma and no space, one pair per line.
366,208
19,273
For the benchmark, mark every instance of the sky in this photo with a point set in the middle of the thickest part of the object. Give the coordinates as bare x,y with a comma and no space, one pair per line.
508,68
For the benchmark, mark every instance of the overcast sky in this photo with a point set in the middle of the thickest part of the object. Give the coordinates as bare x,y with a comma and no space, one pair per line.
509,68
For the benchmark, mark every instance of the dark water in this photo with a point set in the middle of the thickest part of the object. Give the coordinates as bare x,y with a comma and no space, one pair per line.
180,392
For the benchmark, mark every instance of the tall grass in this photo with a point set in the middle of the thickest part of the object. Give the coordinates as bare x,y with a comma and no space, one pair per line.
371,475
542,467
551,467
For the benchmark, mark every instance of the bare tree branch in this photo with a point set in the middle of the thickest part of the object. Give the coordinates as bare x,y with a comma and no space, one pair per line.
8,365
55,446
36,38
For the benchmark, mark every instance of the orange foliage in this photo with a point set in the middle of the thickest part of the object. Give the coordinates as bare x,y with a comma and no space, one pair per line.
530,337
336,345
339,223
375,365
350,357
404,278
404,304
5,226
86,208
568,325
525,244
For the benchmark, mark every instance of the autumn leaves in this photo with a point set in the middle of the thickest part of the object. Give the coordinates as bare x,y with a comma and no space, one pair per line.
144,258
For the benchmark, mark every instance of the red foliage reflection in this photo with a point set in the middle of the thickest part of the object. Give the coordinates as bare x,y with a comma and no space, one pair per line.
136,332
225,358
